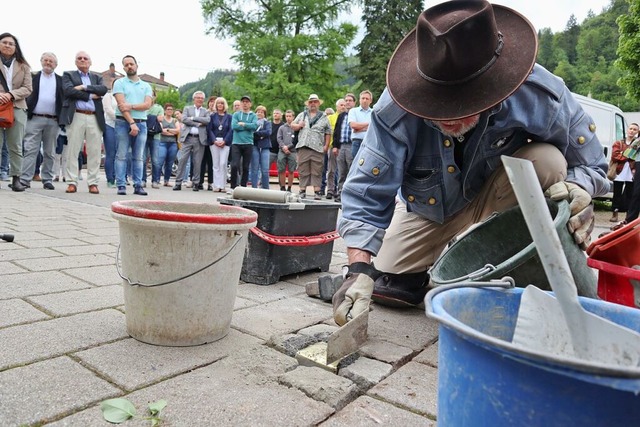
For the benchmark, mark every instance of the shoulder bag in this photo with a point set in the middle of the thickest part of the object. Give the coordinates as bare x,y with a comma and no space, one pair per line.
6,109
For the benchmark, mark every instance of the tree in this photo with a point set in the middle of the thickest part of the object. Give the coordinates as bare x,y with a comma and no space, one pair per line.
286,48
386,23
629,50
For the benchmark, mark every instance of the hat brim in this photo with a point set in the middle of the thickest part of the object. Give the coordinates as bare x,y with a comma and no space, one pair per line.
319,100
451,102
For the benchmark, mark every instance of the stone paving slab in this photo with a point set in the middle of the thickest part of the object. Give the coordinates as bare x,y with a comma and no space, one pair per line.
16,311
321,385
62,262
87,249
104,231
21,285
241,303
99,275
96,240
21,236
36,393
132,364
429,356
20,254
50,338
51,243
7,267
409,328
66,234
50,227
384,351
61,304
279,317
240,390
366,411
268,293
414,386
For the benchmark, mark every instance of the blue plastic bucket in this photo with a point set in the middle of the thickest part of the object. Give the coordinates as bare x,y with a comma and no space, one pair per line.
484,380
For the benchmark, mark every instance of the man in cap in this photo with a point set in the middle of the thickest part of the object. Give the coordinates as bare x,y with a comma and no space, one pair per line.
462,90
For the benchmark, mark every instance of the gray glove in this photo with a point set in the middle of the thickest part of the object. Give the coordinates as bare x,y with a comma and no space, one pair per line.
582,218
354,295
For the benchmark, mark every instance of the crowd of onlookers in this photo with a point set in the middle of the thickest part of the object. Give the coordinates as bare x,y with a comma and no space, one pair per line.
65,122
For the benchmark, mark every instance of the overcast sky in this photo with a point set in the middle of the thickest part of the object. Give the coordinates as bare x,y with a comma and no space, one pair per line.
170,37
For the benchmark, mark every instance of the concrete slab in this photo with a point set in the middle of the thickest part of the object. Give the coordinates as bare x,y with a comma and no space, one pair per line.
409,328
51,243
262,294
132,364
61,304
365,372
86,249
414,386
74,233
17,311
22,285
429,356
279,317
16,253
98,275
321,385
237,390
241,303
366,411
21,236
33,394
50,338
96,240
61,262
10,268
384,351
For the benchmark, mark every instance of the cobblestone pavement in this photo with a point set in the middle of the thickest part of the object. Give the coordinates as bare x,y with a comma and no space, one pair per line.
65,346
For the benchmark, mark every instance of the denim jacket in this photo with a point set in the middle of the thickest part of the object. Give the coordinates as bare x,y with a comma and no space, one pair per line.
406,156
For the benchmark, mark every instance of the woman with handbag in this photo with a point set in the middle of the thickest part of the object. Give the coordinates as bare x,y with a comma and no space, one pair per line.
15,87
621,170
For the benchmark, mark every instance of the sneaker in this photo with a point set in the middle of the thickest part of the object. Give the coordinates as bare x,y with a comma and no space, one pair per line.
177,187
4,177
200,187
196,188
303,194
289,189
139,191
166,184
318,195
329,195
144,185
122,190
210,187
48,186
155,185
189,185
56,179
111,184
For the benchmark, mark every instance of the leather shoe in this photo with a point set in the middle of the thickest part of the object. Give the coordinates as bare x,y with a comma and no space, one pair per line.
122,190
16,185
177,187
93,189
400,290
71,188
139,191
195,188
48,186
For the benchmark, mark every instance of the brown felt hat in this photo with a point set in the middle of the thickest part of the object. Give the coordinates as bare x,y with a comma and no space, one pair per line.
463,57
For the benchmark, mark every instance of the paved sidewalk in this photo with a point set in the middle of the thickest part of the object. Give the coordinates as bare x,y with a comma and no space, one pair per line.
64,346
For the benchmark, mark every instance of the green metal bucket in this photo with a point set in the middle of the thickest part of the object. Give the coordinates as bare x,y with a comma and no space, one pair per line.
502,246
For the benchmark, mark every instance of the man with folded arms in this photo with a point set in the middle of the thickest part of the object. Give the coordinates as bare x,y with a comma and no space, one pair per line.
83,116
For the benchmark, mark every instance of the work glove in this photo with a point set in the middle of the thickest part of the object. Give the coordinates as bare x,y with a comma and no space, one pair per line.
354,295
582,219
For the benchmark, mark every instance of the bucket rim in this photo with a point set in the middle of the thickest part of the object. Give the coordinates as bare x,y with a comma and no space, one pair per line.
435,310
230,215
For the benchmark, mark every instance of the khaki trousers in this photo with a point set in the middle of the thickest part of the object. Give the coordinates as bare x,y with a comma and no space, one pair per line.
412,243
83,129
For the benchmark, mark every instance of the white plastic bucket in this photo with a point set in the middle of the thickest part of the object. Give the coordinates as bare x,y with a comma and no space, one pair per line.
180,264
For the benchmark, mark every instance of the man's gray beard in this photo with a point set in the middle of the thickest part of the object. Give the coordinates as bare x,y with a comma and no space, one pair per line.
463,130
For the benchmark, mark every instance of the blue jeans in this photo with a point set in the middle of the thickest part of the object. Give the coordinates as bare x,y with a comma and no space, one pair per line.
167,152
355,146
109,140
260,160
151,152
137,144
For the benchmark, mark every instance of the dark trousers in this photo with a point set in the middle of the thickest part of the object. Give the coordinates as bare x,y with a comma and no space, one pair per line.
206,166
622,193
240,157
634,203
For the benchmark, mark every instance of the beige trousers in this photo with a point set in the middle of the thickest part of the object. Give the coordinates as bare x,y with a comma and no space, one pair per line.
84,127
412,243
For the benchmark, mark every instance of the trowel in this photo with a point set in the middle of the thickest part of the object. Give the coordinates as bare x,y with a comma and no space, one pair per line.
343,342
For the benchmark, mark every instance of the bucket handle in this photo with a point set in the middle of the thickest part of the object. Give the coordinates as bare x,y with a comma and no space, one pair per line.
488,268
145,285
506,282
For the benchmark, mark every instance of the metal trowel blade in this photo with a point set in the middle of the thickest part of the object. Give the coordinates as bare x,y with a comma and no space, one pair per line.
349,338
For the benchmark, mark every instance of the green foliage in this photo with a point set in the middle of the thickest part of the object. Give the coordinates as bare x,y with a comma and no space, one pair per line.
629,49
172,95
287,49
119,410
386,23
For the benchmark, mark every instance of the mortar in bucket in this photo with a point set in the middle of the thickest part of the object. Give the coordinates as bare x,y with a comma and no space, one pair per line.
484,379
502,246
181,266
